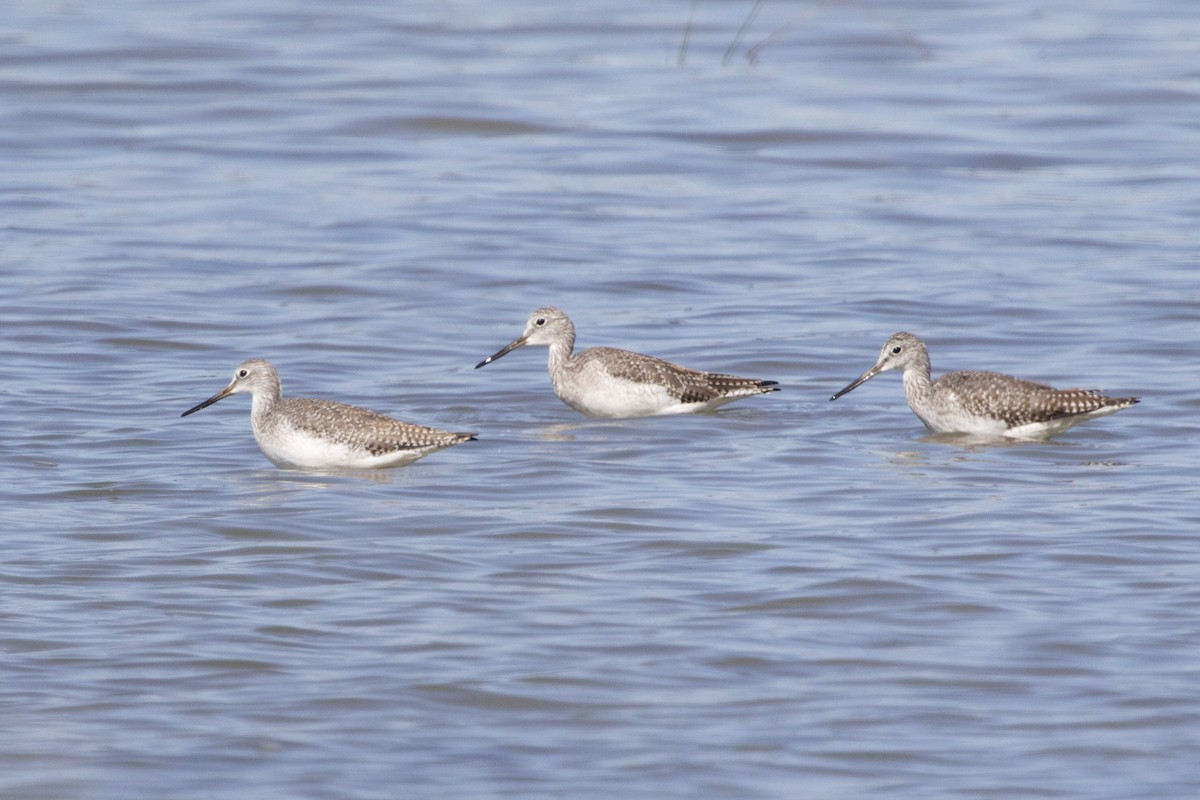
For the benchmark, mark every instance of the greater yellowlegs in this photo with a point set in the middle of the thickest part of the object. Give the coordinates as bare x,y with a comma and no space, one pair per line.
985,403
607,382
303,433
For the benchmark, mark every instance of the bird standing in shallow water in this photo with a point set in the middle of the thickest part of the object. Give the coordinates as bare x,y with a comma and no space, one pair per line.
607,382
303,433
985,403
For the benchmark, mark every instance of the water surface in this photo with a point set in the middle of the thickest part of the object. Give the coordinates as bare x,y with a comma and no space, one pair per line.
788,598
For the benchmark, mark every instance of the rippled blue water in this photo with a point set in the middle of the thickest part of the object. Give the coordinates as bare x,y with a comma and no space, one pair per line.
789,598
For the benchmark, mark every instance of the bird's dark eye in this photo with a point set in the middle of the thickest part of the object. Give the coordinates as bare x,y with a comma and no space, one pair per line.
896,349
243,373
540,321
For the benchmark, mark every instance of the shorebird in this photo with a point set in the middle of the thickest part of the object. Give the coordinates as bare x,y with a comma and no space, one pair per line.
303,433
985,403
607,382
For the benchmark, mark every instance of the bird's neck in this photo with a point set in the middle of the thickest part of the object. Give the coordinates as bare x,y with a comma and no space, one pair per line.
917,384
560,352
264,403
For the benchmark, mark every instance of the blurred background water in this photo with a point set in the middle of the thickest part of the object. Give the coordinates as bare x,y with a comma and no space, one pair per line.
789,598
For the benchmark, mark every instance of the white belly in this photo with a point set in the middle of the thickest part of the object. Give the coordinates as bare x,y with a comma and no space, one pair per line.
614,398
295,449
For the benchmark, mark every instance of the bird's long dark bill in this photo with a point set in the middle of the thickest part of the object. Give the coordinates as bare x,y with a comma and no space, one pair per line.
221,395
508,348
859,381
